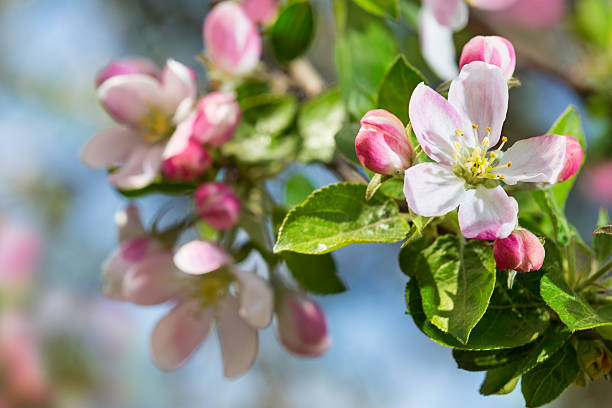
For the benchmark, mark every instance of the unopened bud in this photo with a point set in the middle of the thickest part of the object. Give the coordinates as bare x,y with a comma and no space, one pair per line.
520,251
260,11
127,67
217,117
493,50
301,326
594,358
381,144
218,205
188,165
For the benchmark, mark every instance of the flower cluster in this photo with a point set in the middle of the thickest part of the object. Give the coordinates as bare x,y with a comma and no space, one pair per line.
469,168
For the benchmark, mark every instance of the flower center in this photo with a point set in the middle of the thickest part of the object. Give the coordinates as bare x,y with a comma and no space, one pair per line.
156,126
212,287
478,165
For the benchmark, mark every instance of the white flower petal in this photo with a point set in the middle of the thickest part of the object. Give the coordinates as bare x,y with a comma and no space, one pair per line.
239,341
536,160
480,94
141,168
487,213
437,45
178,84
129,224
432,189
113,274
152,281
110,147
178,334
449,13
256,299
200,257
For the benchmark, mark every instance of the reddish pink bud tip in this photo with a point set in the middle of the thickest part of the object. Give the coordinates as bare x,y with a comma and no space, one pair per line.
573,158
127,67
493,50
218,205
218,115
260,11
191,164
301,326
381,144
521,251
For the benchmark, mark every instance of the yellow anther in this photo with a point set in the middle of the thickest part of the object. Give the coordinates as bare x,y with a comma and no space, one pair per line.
459,132
504,139
485,141
509,164
477,151
474,126
488,130
456,157
502,177
457,146
493,155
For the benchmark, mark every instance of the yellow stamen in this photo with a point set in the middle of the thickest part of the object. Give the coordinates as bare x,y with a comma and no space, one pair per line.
502,178
493,155
488,130
457,146
474,126
504,139
485,141
509,164
459,132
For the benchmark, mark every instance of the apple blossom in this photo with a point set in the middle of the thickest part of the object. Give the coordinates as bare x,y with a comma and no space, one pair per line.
232,40
260,11
573,158
188,165
492,50
458,135
20,254
382,145
218,205
598,186
217,117
127,67
534,13
521,251
150,111
301,326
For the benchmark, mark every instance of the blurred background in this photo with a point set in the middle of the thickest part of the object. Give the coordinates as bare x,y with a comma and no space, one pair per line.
56,222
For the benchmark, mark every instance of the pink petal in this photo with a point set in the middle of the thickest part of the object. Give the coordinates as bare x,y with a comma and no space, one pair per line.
110,147
113,274
127,67
129,224
487,213
535,160
480,94
260,11
492,4
20,254
437,45
129,98
152,281
239,341
432,189
141,168
177,335
256,299
200,257
535,13
179,83
492,50
435,121
449,13
179,140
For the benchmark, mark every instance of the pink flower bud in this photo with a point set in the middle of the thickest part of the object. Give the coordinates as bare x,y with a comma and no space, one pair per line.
188,165
20,254
301,326
218,115
127,67
493,50
260,11
218,205
521,251
573,158
382,145
232,40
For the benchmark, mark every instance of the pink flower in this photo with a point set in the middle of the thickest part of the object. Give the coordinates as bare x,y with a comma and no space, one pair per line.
20,254
492,50
301,326
218,205
25,382
521,251
598,185
151,112
190,164
573,158
535,13
457,134
217,117
381,144
127,67
238,313
232,40
260,11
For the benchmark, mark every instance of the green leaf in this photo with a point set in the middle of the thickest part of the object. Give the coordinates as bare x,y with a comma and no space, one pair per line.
345,142
315,273
602,240
375,183
397,86
293,31
269,114
456,281
394,188
297,190
547,202
252,147
318,123
512,320
409,254
548,380
362,58
568,124
380,8
338,215
527,357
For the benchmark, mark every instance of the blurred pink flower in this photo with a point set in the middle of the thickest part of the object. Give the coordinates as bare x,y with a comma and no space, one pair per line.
20,254
232,40
152,112
260,11
190,164
218,205
126,67
535,13
598,182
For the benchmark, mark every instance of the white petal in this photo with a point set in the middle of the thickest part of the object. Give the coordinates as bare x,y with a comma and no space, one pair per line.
449,13
435,123
141,168
180,138
487,213
239,341
536,160
178,83
110,147
480,94
432,189
437,45
113,274
256,299
129,224
200,257
177,335
152,281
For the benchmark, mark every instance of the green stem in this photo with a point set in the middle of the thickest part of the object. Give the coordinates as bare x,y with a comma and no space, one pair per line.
607,267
